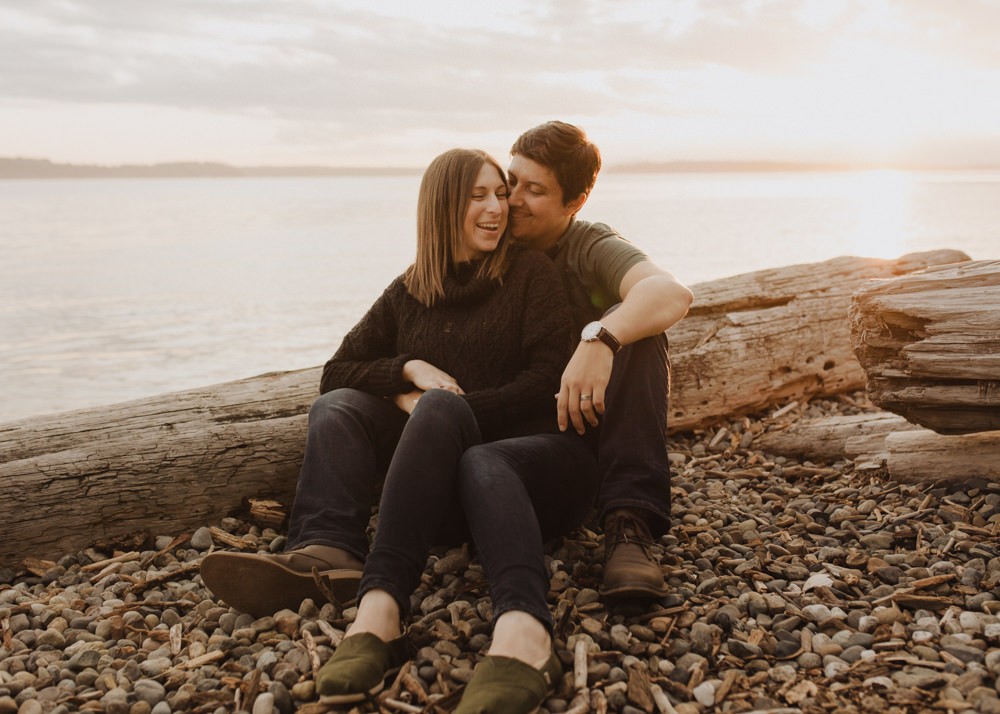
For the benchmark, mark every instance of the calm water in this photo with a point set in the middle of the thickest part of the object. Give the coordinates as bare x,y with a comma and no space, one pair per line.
116,289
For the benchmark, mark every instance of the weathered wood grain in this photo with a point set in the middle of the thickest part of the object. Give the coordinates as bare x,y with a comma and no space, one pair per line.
172,462
826,439
925,456
930,344
884,441
773,335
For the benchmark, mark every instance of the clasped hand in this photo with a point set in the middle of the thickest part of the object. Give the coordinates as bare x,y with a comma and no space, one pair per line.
423,375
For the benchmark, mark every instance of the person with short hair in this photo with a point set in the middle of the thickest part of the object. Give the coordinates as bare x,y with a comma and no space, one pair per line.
618,378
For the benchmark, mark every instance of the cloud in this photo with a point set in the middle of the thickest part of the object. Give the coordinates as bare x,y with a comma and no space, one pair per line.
345,76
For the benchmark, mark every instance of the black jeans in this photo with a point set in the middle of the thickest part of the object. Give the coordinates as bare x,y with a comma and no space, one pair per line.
441,483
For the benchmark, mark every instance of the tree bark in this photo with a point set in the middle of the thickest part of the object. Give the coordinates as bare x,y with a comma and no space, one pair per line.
181,460
930,344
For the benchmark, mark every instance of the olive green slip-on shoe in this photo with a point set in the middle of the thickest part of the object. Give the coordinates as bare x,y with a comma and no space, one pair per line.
504,685
359,667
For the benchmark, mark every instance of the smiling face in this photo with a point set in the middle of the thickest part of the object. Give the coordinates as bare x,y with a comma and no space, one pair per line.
486,217
539,214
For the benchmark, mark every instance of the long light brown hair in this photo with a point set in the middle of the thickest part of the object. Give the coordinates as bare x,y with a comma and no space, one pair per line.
444,198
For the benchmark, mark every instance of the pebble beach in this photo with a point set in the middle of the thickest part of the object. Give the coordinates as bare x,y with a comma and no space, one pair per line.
794,587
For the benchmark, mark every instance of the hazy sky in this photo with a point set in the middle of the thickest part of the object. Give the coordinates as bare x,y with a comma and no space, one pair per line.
345,82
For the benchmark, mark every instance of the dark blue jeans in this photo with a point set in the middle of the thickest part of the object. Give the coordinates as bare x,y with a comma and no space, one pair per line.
632,439
441,486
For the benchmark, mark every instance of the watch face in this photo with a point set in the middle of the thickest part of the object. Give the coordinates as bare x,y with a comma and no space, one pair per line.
590,331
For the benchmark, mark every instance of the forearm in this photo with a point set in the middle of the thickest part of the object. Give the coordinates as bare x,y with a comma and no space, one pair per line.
651,306
380,376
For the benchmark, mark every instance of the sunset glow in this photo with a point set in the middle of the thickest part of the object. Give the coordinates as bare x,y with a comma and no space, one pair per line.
340,82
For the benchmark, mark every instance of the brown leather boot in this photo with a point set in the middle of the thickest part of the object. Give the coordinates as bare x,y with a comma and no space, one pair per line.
630,568
261,584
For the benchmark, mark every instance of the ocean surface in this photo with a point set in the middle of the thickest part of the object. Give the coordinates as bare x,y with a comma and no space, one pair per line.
113,290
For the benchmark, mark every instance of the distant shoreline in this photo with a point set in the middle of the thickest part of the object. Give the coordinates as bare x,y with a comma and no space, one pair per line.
21,168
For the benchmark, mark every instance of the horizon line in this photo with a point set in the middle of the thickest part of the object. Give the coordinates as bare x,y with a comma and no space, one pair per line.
41,168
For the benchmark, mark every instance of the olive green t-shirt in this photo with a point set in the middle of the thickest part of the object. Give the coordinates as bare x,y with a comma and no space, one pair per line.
592,259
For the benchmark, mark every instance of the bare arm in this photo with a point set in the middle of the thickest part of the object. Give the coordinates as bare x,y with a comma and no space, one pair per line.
651,301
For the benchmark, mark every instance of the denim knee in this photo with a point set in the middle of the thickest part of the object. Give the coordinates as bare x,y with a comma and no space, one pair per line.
479,461
442,399
443,406
329,402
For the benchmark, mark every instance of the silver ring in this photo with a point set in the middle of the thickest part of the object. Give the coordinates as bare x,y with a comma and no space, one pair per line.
585,397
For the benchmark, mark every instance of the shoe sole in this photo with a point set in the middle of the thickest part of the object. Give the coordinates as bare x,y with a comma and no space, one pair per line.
633,591
256,585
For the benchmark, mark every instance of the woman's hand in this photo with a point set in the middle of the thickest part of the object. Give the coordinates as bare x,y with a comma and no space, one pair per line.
426,376
407,401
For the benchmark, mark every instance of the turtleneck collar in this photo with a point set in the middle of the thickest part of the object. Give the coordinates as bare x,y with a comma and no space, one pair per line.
463,286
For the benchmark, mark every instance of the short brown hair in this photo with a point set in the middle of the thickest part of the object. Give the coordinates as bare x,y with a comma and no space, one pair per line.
566,151
444,198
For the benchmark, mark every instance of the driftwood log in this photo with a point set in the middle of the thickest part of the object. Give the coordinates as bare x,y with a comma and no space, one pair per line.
930,344
825,439
182,460
881,440
160,465
923,455
770,336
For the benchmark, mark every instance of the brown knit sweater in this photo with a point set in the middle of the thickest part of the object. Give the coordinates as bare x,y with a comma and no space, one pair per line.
506,345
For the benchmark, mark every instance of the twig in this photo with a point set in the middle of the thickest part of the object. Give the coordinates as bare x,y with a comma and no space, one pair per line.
411,684
336,636
719,473
227,538
198,661
580,704
101,564
580,665
784,410
176,638
184,537
728,679
141,585
661,700
252,688
313,652
908,516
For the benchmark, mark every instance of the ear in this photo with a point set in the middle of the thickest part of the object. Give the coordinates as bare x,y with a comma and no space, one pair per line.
573,207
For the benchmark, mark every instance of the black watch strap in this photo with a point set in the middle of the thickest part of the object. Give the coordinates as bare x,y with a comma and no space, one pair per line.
590,335
610,340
